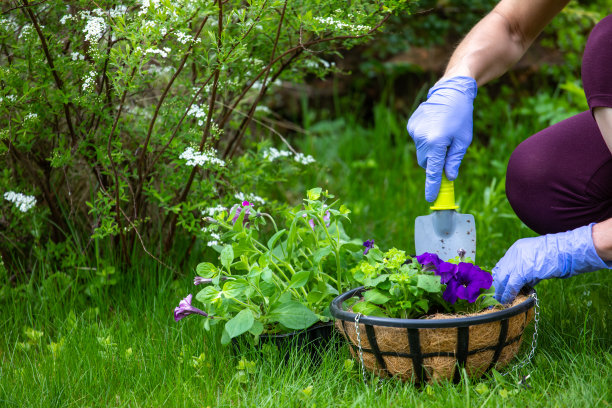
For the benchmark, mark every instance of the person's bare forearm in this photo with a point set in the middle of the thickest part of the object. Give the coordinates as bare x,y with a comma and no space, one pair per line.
602,239
501,38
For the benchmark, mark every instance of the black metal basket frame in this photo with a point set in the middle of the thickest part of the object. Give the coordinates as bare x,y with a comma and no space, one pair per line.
412,327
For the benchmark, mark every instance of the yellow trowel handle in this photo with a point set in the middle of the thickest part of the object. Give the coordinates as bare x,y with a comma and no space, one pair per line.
446,196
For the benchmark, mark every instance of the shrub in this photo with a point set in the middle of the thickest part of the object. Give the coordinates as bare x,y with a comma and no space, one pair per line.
122,123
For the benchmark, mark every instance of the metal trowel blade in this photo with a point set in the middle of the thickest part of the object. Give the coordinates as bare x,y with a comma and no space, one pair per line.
446,233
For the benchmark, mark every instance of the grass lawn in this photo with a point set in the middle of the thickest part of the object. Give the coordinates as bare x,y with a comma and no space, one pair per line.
121,347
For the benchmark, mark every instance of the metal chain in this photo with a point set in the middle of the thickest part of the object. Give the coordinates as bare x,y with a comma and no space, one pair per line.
363,371
534,340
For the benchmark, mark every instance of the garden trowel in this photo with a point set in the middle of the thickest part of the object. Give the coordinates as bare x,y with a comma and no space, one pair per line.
446,232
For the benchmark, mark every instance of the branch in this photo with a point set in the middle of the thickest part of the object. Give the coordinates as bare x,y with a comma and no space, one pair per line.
114,168
58,80
24,6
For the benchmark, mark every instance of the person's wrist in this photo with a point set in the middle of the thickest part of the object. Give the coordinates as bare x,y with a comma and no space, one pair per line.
602,239
463,84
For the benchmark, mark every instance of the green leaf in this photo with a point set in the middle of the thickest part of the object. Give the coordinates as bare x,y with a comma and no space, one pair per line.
368,309
314,193
240,323
227,256
376,297
267,275
235,288
256,329
320,254
299,279
206,270
272,241
429,283
207,295
293,315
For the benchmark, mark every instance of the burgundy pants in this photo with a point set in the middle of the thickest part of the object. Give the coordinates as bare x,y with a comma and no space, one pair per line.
561,178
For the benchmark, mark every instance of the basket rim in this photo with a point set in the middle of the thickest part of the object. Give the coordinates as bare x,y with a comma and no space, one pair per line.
338,313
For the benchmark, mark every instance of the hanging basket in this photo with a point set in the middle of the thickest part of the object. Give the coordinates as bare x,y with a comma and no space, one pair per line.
437,347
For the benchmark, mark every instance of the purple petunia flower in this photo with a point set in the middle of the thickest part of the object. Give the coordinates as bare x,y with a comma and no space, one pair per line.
185,309
429,261
237,210
468,281
326,218
369,244
446,271
198,280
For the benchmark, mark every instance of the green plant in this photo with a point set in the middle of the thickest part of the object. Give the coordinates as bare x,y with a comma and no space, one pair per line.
275,280
121,121
405,287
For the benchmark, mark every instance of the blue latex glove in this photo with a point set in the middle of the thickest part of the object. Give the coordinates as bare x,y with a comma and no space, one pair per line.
530,260
441,128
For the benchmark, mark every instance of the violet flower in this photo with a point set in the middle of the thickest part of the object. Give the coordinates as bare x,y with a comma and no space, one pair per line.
446,271
467,283
237,210
369,244
185,309
326,219
429,261
198,280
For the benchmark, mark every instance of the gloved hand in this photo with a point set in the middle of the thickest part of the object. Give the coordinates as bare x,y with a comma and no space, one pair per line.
441,128
530,260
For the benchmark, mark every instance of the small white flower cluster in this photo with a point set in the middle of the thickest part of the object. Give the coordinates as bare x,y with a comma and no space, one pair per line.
341,25
216,238
65,18
272,154
23,202
9,98
199,159
185,38
163,52
30,116
303,159
27,30
89,81
94,29
211,211
252,198
146,4
199,112
77,56
154,69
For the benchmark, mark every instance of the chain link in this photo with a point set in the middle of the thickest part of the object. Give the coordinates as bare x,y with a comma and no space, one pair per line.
534,340
363,371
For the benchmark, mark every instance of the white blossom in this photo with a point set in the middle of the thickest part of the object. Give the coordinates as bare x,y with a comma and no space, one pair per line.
339,25
94,29
9,98
30,116
252,198
272,154
77,56
23,202
89,81
303,159
211,211
65,18
163,52
200,158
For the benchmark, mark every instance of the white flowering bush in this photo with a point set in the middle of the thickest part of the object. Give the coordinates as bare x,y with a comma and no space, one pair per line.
125,120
